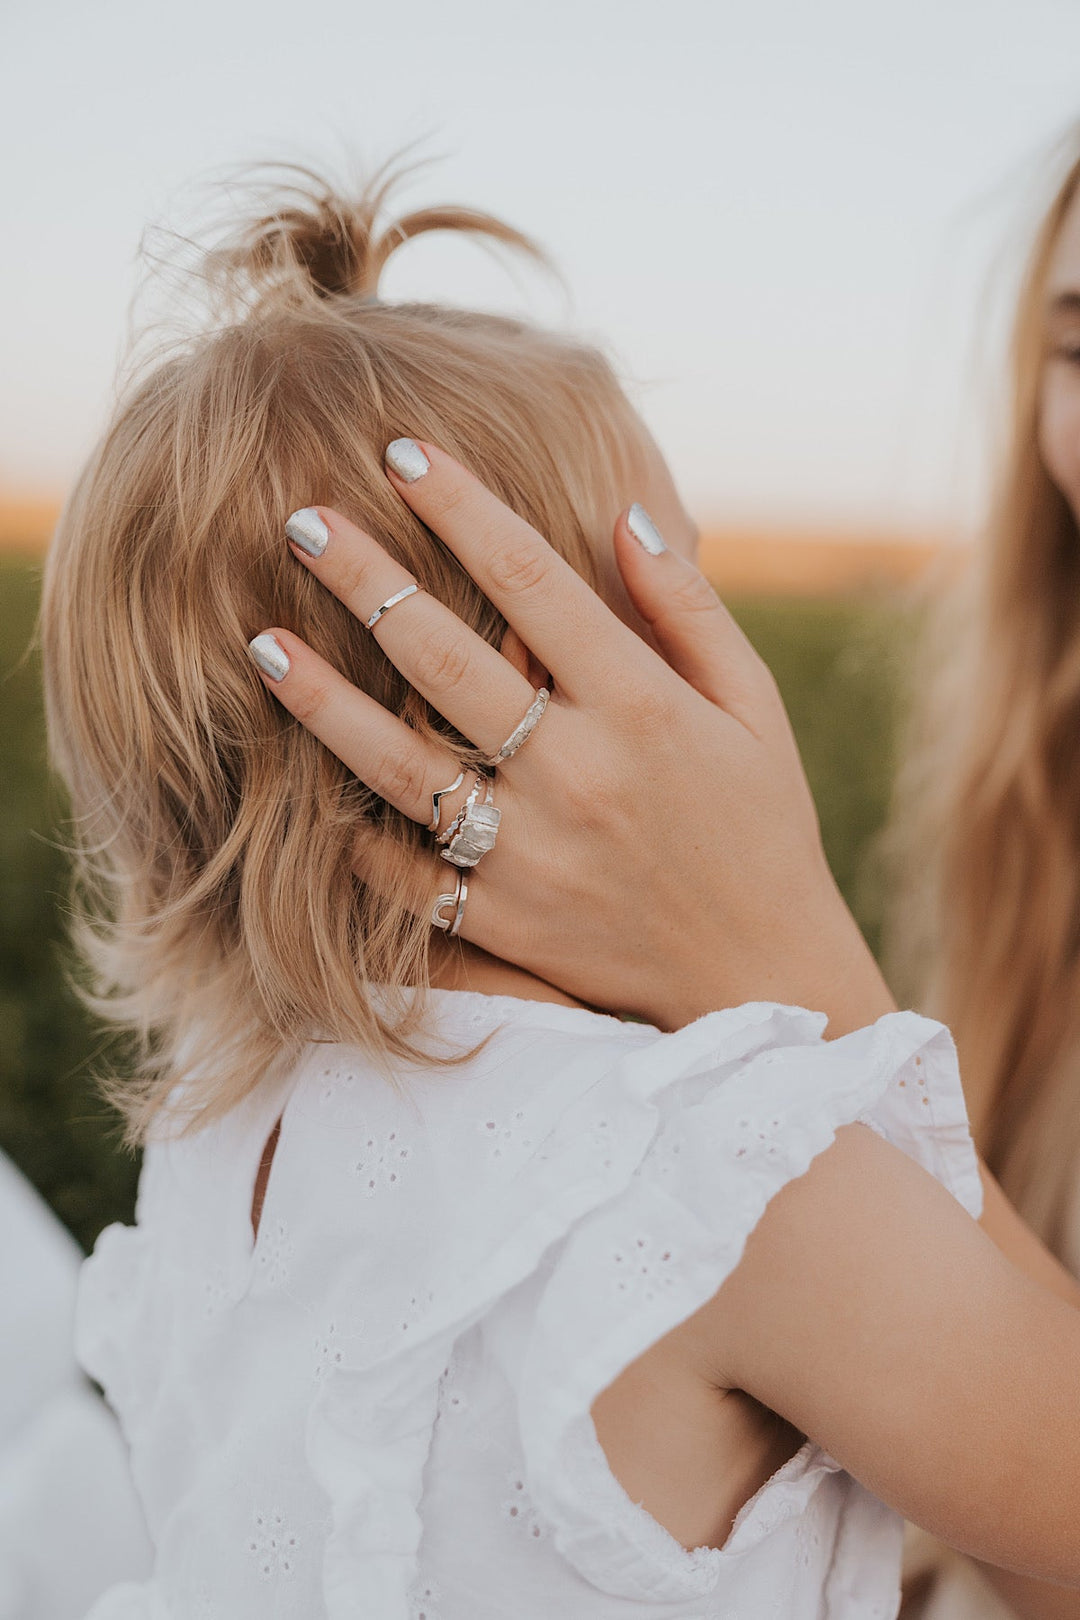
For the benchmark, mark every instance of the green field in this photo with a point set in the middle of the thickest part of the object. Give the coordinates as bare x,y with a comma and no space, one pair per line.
838,665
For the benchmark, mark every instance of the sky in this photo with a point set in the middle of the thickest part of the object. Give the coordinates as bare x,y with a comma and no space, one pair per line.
794,224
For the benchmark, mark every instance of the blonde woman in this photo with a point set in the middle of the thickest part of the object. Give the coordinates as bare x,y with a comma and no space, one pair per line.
993,788
451,1295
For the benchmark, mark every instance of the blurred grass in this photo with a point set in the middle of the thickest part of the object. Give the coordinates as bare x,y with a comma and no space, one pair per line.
836,662
52,1124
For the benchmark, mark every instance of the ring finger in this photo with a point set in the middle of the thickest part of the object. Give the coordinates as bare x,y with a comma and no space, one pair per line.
470,683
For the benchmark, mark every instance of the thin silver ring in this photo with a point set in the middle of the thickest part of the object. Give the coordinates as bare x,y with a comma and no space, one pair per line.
462,896
524,729
438,796
391,601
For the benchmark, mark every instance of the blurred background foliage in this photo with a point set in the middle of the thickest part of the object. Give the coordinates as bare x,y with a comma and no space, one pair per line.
838,664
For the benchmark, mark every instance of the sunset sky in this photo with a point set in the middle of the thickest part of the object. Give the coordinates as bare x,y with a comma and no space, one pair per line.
792,222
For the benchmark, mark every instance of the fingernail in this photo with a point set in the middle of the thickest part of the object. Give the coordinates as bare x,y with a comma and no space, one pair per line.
407,459
644,530
307,529
266,651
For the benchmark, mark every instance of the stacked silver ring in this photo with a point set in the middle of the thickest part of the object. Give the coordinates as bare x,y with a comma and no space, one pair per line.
473,830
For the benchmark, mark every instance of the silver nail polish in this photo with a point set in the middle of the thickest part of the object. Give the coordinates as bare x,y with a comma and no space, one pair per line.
308,530
407,459
644,530
266,651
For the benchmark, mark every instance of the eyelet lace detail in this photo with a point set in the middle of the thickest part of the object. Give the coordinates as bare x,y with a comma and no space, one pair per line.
423,1601
273,1251
518,1509
644,1269
273,1546
382,1166
506,1135
329,1351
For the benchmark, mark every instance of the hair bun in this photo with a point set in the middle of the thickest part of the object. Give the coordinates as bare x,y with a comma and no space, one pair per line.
314,239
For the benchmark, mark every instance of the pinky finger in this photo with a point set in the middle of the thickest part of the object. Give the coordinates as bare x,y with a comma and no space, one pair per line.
381,750
429,887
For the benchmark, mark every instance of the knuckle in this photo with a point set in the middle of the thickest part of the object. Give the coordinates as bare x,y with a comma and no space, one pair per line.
353,580
693,594
517,569
309,703
653,711
398,777
591,800
441,662
444,500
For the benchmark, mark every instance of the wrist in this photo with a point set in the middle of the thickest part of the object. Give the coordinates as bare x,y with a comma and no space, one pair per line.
816,959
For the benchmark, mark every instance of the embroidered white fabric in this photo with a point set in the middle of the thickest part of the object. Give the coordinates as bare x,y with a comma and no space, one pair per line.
382,1406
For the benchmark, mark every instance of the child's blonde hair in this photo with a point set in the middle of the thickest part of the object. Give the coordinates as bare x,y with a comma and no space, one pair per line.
215,906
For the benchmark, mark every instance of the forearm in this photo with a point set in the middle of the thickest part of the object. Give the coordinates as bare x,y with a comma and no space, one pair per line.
1001,1223
1029,1599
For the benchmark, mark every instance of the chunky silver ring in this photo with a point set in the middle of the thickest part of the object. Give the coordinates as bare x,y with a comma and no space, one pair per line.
391,601
438,796
457,900
479,824
523,730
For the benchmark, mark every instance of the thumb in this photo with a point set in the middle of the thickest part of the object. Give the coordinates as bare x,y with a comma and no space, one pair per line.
691,626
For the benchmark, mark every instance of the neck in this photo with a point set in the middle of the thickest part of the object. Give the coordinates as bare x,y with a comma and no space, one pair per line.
457,965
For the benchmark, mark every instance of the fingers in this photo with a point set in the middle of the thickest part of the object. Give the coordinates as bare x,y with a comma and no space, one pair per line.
377,747
555,612
468,681
693,629
420,879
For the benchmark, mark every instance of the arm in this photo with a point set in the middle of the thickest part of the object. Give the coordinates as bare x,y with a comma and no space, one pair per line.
872,1313
1029,1599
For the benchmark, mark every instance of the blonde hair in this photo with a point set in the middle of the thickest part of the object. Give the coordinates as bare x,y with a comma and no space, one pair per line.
216,913
992,791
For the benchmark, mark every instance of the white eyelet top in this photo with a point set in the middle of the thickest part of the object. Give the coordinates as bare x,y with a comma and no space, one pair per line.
380,1410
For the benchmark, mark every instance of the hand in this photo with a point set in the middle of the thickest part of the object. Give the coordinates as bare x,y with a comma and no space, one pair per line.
659,851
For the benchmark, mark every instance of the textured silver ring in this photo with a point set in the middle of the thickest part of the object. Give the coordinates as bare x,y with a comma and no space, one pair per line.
474,830
437,798
457,900
523,730
391,601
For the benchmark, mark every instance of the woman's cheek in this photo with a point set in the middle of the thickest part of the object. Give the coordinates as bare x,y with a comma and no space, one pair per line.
1059,430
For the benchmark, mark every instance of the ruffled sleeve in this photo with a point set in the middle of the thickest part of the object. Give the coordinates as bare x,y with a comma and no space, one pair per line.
729,1135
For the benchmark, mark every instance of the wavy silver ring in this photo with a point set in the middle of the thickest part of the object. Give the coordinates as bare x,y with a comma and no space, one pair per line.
391,601
523,730
457,900
438,796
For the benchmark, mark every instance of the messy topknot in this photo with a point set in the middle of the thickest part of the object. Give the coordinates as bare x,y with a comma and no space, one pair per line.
318,241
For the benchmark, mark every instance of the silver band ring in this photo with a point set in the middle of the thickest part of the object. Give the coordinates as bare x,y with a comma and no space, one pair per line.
457,900
391,601
523,730
438,796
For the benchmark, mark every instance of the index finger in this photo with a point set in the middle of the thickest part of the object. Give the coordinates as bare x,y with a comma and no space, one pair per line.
558,616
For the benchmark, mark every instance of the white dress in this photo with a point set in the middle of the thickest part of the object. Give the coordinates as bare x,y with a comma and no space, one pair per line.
380,1410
